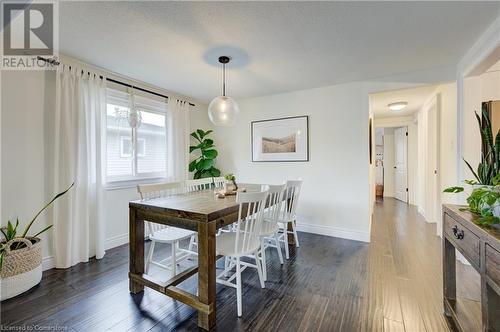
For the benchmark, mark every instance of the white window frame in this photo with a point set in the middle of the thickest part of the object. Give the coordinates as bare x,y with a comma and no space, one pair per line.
146,104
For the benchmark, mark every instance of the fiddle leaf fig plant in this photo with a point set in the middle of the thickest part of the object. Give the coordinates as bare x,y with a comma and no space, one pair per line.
203,166
485,197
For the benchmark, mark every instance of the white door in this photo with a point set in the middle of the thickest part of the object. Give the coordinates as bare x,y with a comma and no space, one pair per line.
400,164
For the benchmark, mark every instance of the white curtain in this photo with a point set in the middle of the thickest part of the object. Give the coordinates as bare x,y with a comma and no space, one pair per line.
178,130
78,221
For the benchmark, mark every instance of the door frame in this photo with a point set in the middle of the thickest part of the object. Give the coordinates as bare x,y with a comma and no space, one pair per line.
406,162
432,192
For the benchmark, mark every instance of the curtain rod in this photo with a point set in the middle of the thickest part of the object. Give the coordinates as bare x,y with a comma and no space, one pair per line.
57,63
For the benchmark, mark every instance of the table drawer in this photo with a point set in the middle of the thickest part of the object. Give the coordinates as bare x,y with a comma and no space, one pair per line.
465,240
493,264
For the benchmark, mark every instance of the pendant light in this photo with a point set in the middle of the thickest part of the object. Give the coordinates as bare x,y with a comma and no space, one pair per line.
223,110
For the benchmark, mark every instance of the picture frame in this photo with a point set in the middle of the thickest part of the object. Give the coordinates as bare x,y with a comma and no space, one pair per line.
370,141
280,140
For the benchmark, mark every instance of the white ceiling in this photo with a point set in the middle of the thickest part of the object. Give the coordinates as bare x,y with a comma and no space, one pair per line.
277,46
415,97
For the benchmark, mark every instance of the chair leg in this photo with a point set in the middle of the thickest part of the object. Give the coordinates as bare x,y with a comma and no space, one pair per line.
259,270
227,261
263,256
278,247
285,242
294,227
174,259
191,243
150,255
238,286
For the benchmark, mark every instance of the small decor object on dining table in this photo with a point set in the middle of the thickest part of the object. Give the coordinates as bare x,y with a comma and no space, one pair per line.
230,182
285,139
230,187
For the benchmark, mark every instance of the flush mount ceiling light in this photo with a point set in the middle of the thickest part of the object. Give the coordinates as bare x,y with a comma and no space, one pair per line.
397,106
223,110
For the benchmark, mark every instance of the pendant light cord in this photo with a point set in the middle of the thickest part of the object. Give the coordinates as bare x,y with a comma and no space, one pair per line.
224,79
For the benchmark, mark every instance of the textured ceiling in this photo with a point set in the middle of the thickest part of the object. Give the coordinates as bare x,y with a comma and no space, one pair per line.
415,97
276,46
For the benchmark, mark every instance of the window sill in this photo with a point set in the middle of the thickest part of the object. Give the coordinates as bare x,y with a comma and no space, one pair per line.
127,184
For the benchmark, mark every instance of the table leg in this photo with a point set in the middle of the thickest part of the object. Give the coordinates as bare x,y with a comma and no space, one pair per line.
449,274
136,237
290,238
206,272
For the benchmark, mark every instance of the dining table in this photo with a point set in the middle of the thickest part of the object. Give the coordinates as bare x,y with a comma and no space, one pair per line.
200,211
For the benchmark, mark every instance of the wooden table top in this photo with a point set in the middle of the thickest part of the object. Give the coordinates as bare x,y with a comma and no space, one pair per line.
200,205
486,230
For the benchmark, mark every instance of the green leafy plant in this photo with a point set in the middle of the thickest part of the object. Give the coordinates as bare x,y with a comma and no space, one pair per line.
485,200
204,165
10,232
489,167
232,178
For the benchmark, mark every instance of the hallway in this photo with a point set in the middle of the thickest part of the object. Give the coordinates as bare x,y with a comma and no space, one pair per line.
405,271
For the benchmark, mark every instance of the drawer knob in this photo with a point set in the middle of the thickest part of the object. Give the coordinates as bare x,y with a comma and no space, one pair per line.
459,234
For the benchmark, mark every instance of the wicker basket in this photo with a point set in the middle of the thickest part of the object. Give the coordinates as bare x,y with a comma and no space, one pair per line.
22,268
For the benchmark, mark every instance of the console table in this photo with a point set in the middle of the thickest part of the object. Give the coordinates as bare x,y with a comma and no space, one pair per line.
480,245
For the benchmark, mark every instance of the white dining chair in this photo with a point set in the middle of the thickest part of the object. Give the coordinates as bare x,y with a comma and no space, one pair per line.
269,234
243,242
159,233
198,184
219,182
288,213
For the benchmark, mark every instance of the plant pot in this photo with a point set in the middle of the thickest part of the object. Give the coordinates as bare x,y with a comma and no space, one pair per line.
22,268
229,186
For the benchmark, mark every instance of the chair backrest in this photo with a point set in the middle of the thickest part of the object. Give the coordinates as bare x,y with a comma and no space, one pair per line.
199,184
274,202
292,193
219,182
250,215
157,190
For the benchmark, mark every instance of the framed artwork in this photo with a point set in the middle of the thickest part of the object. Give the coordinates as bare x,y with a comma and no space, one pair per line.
285,139
370,142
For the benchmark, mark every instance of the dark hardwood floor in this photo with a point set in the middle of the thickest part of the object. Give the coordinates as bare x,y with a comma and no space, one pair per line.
329,284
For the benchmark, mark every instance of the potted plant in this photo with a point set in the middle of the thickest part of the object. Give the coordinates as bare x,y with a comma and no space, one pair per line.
21,256
230,182
484,199
204,164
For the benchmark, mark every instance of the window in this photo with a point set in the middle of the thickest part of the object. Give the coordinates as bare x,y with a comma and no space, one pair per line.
126,147
136,137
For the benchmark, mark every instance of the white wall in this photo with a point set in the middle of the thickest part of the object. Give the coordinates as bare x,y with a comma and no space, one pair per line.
334,199
27,102
23,159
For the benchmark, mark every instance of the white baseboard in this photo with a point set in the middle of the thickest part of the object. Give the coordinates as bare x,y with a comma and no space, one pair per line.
48,263
343,233
116,241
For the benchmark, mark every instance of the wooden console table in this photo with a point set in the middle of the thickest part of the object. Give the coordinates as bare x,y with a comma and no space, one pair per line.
480,245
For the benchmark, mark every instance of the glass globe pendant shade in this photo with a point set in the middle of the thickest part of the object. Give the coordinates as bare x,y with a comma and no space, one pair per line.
223,111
